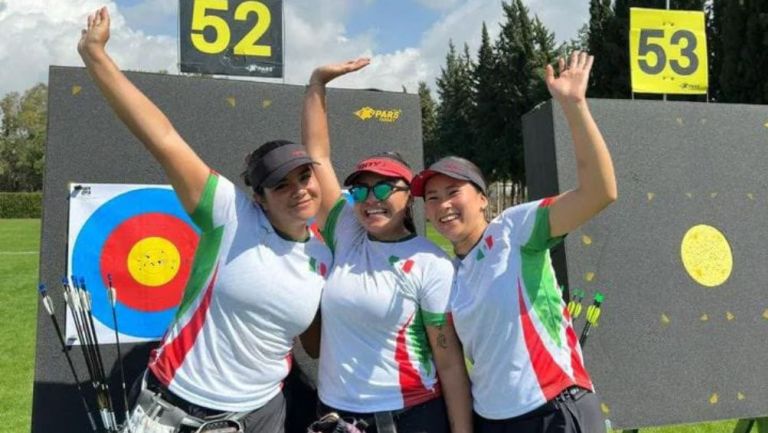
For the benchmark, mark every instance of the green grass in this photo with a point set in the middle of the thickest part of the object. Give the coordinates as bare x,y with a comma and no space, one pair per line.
438,239
19,244
18,302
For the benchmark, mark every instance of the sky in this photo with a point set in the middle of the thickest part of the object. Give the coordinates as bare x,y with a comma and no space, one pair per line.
407,40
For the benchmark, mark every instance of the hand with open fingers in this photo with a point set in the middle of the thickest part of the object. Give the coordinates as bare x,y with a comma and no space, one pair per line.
570,85
326,73
96,35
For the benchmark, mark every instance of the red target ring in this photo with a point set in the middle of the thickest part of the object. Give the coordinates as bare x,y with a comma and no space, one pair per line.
118,247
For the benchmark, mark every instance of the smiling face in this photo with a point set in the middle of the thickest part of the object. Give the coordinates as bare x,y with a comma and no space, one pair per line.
456,210
293,201
383,219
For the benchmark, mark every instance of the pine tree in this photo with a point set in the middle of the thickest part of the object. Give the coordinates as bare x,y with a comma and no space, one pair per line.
519,89
428,123
454,135
600,21
487,120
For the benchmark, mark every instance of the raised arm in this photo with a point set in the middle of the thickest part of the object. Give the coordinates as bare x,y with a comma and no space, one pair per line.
314,130
186,171
596,187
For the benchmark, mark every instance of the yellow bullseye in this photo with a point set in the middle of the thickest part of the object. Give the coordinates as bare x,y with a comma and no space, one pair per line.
153,261
706,255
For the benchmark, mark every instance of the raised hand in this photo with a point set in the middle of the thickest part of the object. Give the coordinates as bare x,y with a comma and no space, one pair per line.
570,86
95,36
324,74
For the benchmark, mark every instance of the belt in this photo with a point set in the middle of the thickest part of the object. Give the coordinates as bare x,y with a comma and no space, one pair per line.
572,393
154,384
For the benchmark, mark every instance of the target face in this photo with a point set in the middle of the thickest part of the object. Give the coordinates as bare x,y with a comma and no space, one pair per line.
142,238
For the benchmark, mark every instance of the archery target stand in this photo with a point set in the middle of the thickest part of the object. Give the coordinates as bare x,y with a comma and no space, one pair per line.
680,257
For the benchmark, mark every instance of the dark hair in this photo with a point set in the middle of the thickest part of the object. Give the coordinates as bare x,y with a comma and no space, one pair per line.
252,160
408,220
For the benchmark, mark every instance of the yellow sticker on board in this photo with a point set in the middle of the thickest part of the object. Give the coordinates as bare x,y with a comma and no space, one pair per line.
668,51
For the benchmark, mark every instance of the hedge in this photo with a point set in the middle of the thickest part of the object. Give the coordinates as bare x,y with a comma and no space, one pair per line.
21,204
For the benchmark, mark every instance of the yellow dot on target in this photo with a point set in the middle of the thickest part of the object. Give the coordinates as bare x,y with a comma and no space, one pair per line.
232,101
589,276
750,196
605,409
76,89
740,396
729,316
650,196
153,261
586,239
266,103
706,255
713,399
713,195
689,195
704,318
765,314
664,319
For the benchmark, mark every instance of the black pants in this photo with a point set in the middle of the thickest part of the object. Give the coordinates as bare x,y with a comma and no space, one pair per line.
269,418
427,417
564,414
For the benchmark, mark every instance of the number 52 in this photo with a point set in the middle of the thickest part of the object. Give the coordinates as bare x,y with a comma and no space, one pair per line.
647,47
247,45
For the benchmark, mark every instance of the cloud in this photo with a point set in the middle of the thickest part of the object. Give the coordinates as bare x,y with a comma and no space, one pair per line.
439,5
39,33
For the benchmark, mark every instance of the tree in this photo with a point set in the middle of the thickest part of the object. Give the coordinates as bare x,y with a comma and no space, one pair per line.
428,123
487,118
454,135
22,137
520,87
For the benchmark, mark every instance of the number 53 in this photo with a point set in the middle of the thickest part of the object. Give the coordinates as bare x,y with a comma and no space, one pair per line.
247,45
647,47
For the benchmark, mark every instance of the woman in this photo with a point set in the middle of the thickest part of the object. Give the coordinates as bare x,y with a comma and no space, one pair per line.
385,331
249,295
528,374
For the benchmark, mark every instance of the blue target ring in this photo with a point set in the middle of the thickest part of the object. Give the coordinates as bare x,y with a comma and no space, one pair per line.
89,247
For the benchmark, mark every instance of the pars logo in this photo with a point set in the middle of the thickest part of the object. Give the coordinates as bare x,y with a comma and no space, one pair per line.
387,116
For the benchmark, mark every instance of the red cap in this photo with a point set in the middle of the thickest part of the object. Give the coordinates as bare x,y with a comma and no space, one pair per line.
381,165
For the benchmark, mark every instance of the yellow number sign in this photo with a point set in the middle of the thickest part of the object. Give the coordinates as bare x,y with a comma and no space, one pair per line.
668,51
231,37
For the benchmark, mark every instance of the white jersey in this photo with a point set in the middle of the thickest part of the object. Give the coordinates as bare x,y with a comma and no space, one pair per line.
511,318
374,354
250,293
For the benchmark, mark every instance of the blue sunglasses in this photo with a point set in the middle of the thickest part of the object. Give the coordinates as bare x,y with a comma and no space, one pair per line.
381,191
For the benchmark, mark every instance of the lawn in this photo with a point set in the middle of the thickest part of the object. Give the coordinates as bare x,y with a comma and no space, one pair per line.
19,243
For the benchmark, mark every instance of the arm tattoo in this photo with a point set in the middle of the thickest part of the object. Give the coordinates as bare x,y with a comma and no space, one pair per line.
441,340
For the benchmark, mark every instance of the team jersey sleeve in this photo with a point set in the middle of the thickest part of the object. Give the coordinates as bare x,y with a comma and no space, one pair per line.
528,225
218,203
435,291
341,224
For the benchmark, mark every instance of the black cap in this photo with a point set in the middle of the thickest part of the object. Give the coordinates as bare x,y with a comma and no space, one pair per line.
451,166
271,168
